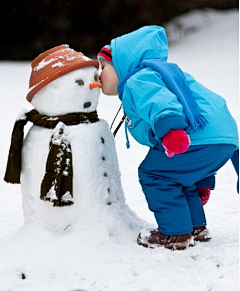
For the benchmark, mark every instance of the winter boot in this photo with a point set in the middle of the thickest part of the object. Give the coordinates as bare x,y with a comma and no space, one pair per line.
157,239
201,234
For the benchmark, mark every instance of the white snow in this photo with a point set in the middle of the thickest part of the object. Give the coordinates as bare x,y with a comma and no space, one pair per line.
86,58
58,64
101,255
44,63
22,114
67,197
71,58
52,193
31,88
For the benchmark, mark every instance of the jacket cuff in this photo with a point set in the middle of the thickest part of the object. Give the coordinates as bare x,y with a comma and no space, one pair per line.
163,126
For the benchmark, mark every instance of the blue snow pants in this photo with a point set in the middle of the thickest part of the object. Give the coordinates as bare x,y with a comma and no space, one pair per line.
170,184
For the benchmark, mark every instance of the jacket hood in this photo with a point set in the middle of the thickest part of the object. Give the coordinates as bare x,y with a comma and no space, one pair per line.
129,50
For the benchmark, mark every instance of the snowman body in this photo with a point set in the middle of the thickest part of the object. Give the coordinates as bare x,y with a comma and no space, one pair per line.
97,192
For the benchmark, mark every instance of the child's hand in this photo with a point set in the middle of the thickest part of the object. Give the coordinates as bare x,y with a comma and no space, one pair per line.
204,194
176,141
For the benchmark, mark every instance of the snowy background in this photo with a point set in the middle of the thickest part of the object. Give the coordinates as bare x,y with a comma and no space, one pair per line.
205,44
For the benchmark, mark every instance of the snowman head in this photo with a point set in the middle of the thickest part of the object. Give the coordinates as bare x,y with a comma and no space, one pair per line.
64,81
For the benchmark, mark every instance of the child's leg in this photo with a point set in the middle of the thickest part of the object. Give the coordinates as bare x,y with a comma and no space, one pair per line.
168,203
195,206
163,178
164,196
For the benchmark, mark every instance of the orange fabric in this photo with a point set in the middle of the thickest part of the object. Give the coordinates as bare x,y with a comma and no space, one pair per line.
53,64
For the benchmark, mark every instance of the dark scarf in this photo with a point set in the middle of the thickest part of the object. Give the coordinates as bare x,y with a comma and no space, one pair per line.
57,182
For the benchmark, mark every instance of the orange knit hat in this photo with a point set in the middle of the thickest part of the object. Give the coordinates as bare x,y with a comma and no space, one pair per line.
53,64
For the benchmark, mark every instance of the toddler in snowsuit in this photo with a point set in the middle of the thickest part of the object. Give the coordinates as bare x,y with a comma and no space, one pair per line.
189,130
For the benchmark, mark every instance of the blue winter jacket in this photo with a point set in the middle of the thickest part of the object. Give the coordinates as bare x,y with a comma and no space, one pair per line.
152,109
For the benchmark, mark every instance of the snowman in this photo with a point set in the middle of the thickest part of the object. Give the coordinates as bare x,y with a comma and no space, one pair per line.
68,167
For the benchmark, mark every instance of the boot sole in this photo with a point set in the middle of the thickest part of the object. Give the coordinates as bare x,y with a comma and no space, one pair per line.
203,239
170,246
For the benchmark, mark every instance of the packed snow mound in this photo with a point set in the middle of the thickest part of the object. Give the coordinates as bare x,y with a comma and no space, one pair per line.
88,259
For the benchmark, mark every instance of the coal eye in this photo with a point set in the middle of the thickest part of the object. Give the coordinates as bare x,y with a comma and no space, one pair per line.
80,82
96,77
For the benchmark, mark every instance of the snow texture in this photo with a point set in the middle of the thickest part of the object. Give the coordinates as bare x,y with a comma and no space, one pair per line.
99,252
44,63
22,114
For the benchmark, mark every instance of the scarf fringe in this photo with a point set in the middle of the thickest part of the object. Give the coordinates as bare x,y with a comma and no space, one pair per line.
199,122
57,203
11,182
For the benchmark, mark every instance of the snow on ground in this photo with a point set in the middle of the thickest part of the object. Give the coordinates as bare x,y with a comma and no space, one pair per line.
33,258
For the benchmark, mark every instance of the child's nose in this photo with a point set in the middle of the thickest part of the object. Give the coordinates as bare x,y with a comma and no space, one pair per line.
94,85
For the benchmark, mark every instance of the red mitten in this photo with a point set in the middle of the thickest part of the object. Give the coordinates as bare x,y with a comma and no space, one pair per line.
176,141
204,194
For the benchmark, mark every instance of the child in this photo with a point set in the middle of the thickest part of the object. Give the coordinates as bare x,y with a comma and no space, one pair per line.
188,128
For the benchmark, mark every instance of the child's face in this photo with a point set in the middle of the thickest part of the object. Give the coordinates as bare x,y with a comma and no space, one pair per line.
109,79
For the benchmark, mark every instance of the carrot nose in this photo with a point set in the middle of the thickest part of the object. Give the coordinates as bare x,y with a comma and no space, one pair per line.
94,85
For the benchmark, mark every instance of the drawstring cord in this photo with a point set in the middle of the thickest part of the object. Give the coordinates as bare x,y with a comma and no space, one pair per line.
126,134
119,125
115,116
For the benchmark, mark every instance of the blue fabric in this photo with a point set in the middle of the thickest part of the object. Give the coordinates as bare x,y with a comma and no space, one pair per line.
170,184
176,82
129,50
122,82
235,162
208,182
148,103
